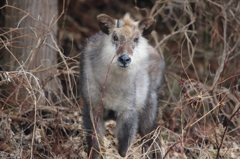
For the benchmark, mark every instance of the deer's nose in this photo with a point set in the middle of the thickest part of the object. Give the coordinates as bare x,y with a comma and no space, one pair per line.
124,60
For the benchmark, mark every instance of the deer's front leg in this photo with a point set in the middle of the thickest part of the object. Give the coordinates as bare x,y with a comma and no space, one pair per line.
126,128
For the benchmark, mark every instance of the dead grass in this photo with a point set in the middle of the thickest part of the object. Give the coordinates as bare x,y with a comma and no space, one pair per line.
200,106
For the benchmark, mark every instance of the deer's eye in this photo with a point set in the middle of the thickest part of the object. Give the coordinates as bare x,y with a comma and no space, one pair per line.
135,40
115,38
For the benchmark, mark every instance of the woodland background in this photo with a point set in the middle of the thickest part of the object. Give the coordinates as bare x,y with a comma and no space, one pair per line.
40,107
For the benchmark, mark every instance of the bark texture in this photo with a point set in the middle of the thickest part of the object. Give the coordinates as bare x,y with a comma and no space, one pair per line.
31,41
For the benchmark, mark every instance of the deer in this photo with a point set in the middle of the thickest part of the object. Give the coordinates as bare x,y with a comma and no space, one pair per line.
121,79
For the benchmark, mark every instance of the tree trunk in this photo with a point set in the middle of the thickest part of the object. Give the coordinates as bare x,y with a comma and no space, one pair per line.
33,30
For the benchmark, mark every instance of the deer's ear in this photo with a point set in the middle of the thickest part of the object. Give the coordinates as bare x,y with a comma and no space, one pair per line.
146,26
106,23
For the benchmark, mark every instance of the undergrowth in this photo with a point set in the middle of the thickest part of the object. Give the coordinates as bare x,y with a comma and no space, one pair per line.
200,42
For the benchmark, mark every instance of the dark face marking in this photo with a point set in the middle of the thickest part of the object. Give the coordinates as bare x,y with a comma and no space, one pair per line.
119,38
